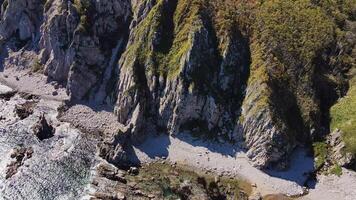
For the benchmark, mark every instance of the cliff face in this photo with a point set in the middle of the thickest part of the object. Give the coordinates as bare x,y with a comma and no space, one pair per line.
223,70
175,76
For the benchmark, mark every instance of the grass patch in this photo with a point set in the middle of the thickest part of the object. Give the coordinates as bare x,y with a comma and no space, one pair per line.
297,28
343,116
336,169
320,154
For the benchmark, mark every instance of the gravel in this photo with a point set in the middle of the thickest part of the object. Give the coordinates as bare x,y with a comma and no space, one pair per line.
230,161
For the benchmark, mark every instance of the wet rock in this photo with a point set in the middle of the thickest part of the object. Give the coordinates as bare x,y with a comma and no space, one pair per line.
42,129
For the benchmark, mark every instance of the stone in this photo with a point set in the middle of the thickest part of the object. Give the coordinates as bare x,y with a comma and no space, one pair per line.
24,110
120,196
337,155
133,171
138,192
111,172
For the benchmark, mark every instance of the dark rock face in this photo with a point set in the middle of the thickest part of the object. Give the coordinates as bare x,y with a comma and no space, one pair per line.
79,46
42,129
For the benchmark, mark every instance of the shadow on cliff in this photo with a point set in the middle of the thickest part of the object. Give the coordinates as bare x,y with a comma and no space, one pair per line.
301,170
164,146
3,55
160,145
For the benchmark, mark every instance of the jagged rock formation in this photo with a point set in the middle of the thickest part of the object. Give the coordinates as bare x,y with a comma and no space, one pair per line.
181,79
338,153
218,69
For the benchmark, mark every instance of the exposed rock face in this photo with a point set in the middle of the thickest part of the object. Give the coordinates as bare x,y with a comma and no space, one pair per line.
199,90
113,148
176,65
81,41
20,19
266,143
338,153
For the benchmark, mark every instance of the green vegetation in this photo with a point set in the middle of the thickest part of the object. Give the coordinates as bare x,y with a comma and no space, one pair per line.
166,181
320,154
336,169
36,66
165,55
340,10
343,115
290,42
294,27
83,7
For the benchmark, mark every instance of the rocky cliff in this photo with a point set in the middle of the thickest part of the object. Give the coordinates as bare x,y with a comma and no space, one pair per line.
260,73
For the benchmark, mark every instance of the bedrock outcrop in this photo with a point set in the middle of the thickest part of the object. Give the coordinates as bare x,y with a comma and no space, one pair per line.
172,66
